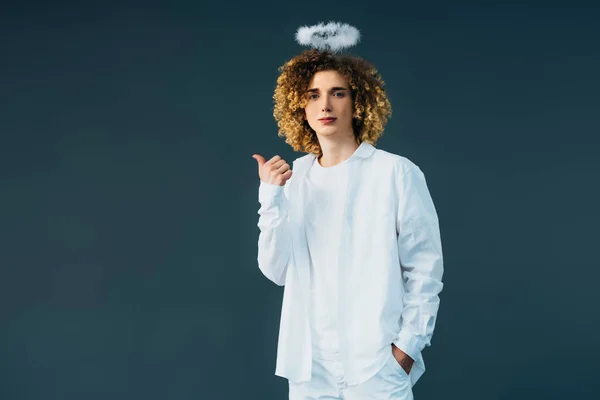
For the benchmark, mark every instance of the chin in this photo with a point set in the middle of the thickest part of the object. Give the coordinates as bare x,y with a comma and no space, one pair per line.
327,133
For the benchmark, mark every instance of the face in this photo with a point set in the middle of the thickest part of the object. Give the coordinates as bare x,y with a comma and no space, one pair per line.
329,96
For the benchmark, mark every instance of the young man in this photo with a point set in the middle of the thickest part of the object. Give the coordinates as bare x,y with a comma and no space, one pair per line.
352,233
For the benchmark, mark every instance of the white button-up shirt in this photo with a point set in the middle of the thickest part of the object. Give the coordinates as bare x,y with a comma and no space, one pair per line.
393,265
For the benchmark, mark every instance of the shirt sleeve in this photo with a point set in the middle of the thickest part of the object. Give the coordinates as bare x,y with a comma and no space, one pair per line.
274,239
420,252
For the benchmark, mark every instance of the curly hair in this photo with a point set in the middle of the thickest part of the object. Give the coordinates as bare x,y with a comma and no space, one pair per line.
371,107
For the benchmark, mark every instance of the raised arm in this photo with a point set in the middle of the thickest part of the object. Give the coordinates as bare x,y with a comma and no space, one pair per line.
274,240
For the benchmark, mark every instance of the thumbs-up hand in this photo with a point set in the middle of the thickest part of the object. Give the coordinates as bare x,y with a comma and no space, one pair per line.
275,171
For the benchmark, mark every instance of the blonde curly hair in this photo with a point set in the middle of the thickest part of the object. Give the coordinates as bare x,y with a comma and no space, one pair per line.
371,107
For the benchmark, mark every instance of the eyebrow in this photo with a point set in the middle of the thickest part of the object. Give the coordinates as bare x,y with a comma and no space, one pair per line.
333,89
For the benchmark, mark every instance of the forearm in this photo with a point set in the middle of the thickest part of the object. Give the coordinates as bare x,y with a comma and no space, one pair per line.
421,304
274,240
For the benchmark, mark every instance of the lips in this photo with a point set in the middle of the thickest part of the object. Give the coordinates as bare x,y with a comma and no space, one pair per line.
327,119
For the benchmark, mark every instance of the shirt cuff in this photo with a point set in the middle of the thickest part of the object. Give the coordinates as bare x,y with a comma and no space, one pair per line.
267,192
408,344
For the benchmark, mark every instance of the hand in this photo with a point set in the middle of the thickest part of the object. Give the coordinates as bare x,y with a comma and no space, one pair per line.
275,171
402,358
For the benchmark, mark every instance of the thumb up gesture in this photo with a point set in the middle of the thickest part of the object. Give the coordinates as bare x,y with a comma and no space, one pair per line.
275,171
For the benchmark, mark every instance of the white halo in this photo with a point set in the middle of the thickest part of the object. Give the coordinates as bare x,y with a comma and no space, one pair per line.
333,36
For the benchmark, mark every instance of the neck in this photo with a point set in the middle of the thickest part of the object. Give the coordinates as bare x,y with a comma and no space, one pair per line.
337,151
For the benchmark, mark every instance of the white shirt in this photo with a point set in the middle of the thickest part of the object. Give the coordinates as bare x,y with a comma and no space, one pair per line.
325,198
390,248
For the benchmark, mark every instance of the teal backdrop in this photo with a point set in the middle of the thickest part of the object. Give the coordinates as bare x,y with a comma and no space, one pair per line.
129,195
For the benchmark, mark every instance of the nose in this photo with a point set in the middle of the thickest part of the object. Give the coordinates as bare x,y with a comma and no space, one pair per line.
326,104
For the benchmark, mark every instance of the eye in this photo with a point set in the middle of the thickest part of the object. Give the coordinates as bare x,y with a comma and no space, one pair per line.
311,96
340,93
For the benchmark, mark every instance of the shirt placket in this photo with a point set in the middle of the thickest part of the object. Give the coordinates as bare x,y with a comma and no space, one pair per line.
344,262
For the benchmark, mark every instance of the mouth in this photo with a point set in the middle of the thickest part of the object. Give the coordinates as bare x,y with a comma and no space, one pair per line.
327,120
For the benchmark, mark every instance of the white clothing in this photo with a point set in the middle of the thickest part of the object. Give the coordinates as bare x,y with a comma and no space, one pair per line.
391,252
323,223
390,383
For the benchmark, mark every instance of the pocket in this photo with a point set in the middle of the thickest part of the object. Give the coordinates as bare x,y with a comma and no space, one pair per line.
395,365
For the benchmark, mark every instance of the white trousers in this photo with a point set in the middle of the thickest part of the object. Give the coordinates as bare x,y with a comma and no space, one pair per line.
327,383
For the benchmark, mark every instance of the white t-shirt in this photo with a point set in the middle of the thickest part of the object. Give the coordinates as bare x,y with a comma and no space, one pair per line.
325,199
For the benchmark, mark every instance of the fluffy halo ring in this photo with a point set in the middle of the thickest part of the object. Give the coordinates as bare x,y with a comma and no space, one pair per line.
332,36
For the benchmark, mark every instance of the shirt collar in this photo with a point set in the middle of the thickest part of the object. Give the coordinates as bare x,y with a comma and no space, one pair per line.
364,150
